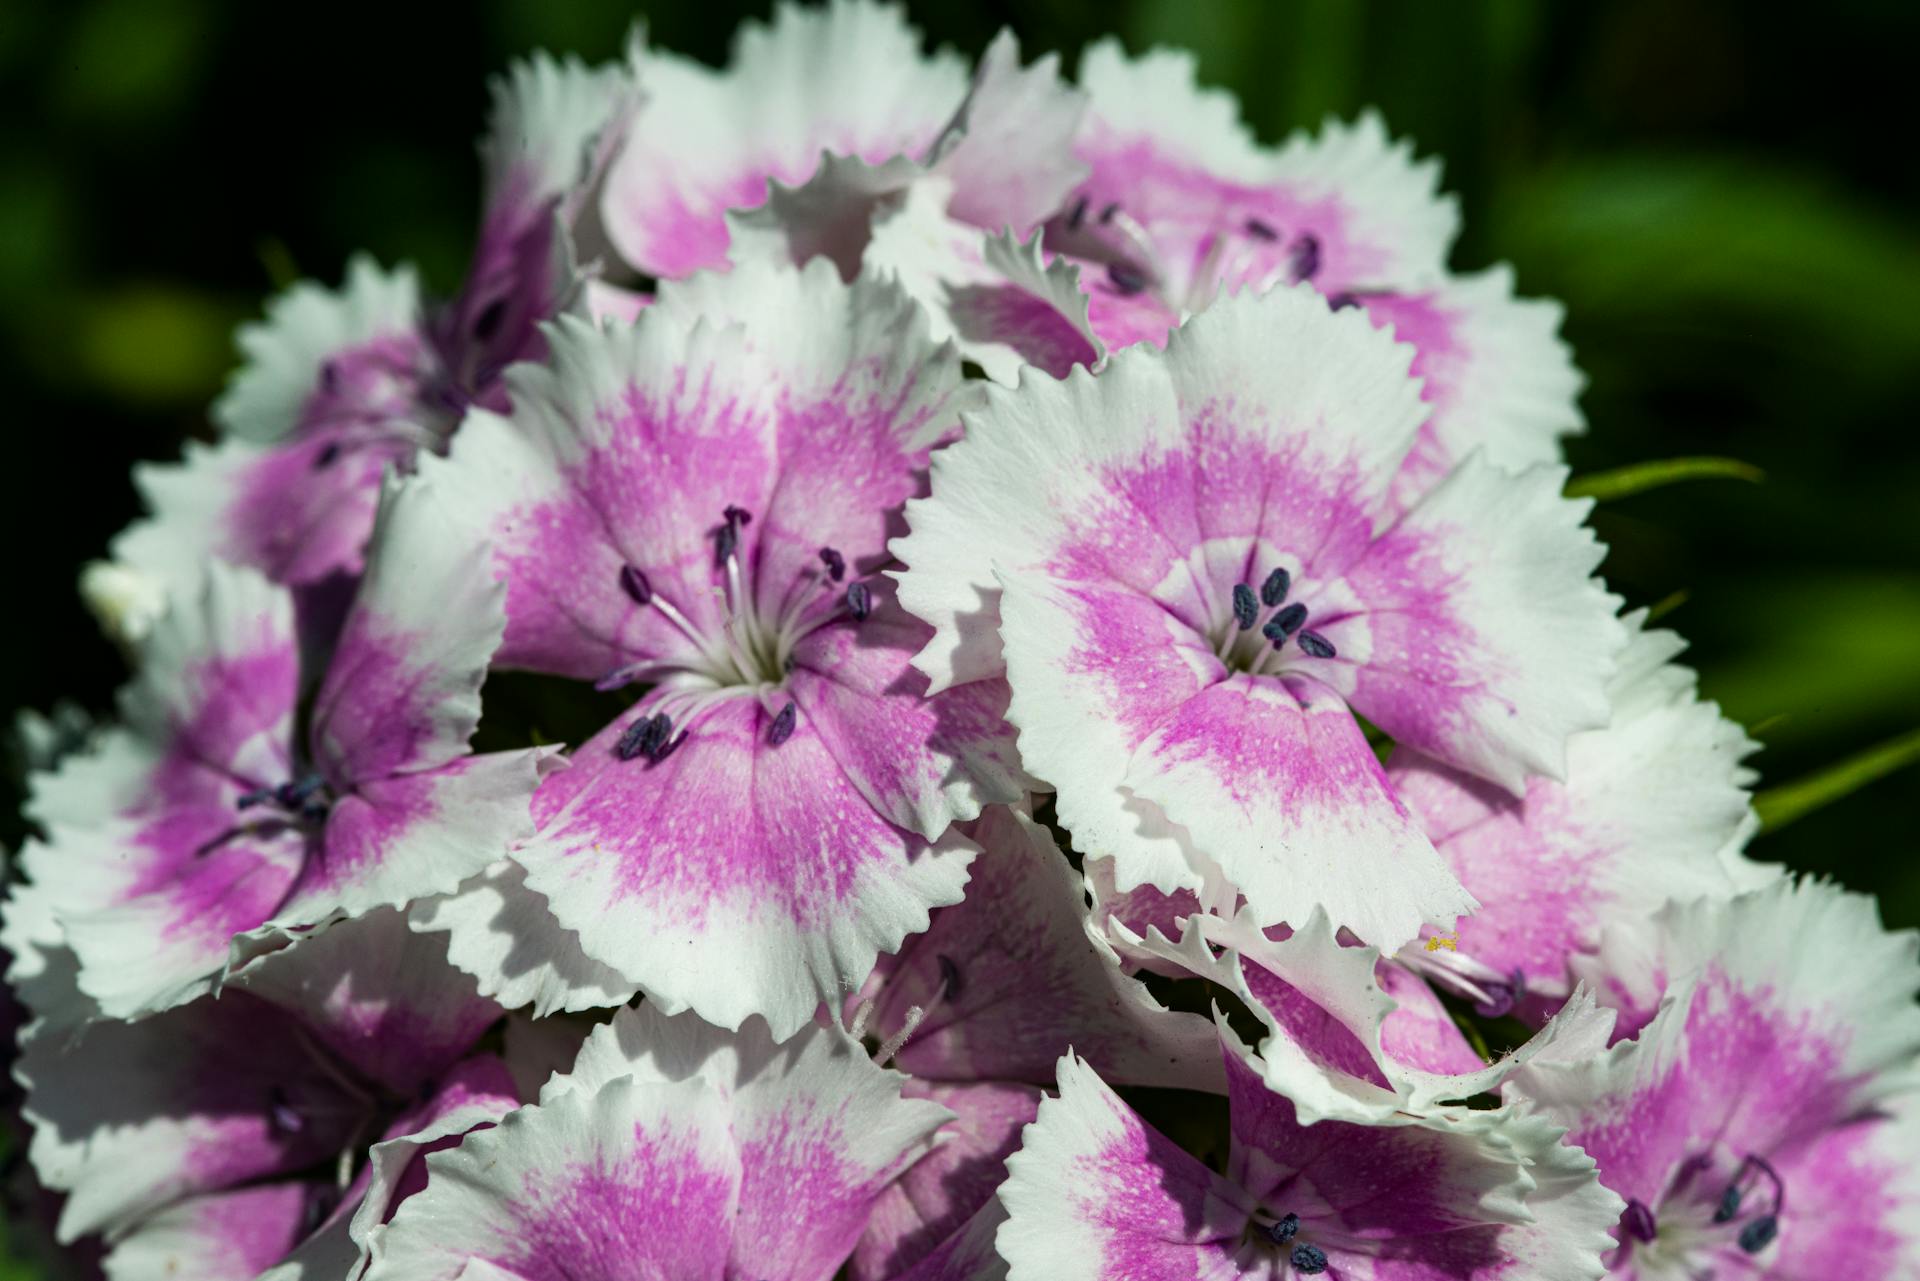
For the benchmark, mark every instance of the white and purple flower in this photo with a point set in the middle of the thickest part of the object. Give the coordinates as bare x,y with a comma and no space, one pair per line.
1191,567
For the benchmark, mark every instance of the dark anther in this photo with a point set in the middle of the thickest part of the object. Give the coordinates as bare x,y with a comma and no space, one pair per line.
950,984
1244,608
629,745
1274,590
737,515
859,600
1127,280
1305,262
651,737
1106,214
1285,623
329,377
1759,1234
314,810
257,796
1261,230
1282,1229
725,540
1342,301
294,795
783,724
1638,1221
633,581
1729,1204
1077,214
836,563
487,323
328,455
1316,646
321,1202
1308,1259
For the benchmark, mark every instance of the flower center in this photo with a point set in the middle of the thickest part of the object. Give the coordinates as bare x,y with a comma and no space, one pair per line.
1303,1257
1439,960
750,654
1707,1212
304,801
1262,624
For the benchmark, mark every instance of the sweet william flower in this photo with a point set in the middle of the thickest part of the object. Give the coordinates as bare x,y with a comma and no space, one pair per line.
227,1138
337,386
1096,1193
1763,1122
217,822
699,504
672,1149
1191,567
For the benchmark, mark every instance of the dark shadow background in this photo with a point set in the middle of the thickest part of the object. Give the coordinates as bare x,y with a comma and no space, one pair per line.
1731,228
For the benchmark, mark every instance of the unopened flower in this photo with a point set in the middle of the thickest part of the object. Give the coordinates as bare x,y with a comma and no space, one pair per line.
1193,566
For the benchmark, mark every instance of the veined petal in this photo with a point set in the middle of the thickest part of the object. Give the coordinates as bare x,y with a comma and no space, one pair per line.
1010,978
1475,634
367,329
822,1131
592,1183
848,79
1648,806
735,876
502,933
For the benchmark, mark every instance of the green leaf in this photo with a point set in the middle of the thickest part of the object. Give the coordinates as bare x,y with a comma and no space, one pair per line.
1639,478
1779,806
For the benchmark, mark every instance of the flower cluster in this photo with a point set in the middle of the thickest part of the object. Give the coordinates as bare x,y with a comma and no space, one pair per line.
1094,700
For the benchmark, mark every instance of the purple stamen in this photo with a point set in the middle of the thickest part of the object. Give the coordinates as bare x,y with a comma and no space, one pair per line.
1316,645
329,377
257,796
1729,1204
487,323
1342,301
1305,262
1308,1259
1245,611
950,981
295,794
282,1117
737,515
1125,279
836,563
1261,230
783,724
629,745
327,456
633,581
1282,1229
1275,589
1638,1221
859,601
725,540
1077,214
1112,208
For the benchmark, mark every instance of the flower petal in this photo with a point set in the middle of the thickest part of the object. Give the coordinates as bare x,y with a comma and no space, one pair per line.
1476,635
1009,150
501,932
370,321
1649,806
587,1184
228,1236
822,1130
735,876
1095,1194
1011,977
848,78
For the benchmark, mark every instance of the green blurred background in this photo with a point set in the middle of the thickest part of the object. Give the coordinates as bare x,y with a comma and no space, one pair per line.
1731,228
